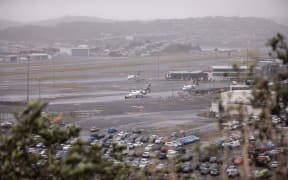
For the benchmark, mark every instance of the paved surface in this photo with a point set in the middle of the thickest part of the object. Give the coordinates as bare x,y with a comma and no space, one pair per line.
90,92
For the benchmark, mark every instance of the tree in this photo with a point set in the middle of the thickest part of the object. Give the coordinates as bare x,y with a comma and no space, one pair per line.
270,99
20,161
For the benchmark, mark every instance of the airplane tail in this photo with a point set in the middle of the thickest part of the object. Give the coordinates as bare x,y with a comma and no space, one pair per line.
148,88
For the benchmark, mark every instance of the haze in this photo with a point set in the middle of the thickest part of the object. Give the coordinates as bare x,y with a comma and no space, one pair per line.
33,10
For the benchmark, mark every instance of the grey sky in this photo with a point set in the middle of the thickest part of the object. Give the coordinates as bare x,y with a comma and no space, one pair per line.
31,10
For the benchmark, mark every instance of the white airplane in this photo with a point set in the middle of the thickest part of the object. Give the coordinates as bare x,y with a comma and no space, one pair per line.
188,87
139,93
133,77
135,94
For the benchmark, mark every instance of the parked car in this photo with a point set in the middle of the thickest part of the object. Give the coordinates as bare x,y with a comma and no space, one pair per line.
161,166
94,129
261,149
172,144
162,156
111,130
275,119
238,160
263,158
153,138
171,153
251,139
262,174
148,147
137,144
204,171
204,158
180,150
232,171
218,142
143,163
273,164
144,139
213,159
232,144
273,152
136,131
187,167
97,135
92,139
235,126
146,155
203,166
189,139
59,154
6,125
187,157
107,144
160,140
214,171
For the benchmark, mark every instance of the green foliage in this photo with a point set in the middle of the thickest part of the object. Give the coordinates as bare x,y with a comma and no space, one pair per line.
31,128
270,97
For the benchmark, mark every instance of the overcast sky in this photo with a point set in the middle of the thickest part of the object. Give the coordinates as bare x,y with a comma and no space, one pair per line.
31,10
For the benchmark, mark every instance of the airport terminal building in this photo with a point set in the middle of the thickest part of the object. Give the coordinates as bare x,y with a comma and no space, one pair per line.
187,75
221,73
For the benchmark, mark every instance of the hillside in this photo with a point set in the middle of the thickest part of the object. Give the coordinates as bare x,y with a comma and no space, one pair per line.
223,31
9,23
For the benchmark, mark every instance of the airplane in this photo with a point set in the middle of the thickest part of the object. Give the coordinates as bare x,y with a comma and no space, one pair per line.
135,94
148,88
133,77
139,93
188,87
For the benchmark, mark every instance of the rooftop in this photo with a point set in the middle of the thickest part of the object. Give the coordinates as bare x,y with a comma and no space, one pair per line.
229,67
184,72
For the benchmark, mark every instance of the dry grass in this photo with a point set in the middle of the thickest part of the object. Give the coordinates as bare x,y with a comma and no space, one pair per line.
66,86
86,65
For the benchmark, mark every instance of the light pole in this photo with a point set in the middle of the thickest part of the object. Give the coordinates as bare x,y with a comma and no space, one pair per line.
39,90
28,79
158,67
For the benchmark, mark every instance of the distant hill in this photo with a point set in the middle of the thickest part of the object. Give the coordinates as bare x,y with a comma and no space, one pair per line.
210,31
9,23
52,22
281,20
69,19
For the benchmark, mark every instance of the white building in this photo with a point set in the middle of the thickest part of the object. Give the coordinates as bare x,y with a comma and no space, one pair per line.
220,73
39,56
234,100
188,75
80,51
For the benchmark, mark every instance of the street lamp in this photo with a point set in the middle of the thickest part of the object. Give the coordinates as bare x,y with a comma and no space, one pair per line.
158,68
28,79
39,90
